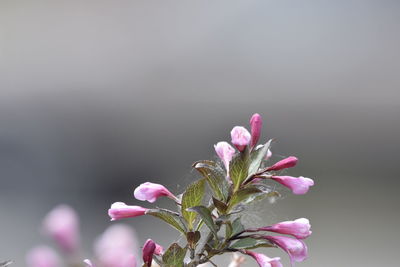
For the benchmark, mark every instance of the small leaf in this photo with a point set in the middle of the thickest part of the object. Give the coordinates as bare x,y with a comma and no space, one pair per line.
193,237
191,198
205,214
215,176
228,229
244,195
221,206
257,157
238,169
174,256
169,217
250,243
237,227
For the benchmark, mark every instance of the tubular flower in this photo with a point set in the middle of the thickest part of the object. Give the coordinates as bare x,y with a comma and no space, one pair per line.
148,250
120,210
299,228
151,192
296,248
62,225
240,137
284,164
256,125
116,246
263,260
298,185
225,152
42,256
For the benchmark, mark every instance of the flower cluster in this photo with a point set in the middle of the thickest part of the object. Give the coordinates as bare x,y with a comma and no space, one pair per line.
242,178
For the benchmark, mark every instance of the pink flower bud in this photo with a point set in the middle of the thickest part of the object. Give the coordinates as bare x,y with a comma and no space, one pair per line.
148,250
42,256
263,260
299,228
62,225
116,246
284,164
298,185
120,210
240,137
225,152
256,125
150,192
296,248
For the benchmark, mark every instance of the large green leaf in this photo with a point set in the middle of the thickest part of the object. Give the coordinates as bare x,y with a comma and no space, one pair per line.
238,169
169,217
244,195
215,176
250,243
174,256
191,198
205,214
256,158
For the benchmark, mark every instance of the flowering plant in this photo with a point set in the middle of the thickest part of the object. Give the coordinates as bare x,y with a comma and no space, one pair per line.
242,178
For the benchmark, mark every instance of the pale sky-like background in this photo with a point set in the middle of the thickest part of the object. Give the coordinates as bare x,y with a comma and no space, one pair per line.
98,96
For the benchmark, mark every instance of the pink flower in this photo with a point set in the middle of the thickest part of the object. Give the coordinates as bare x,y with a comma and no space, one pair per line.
240,137
42,256
298,185
120,210
225,152
150,192
256,125
148,250
263,260
116,247
284,164
299,228
62,225
296,248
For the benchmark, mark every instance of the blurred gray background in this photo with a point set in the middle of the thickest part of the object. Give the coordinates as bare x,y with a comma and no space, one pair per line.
99,96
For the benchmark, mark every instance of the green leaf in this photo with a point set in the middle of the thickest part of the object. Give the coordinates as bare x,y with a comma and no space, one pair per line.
174,256
257,157
238,169
237,227
191,198
221,206
272,196
215,177
250,243
244,195
169,217
205,214
228,229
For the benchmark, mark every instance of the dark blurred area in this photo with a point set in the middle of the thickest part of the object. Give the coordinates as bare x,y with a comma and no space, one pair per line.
99,96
